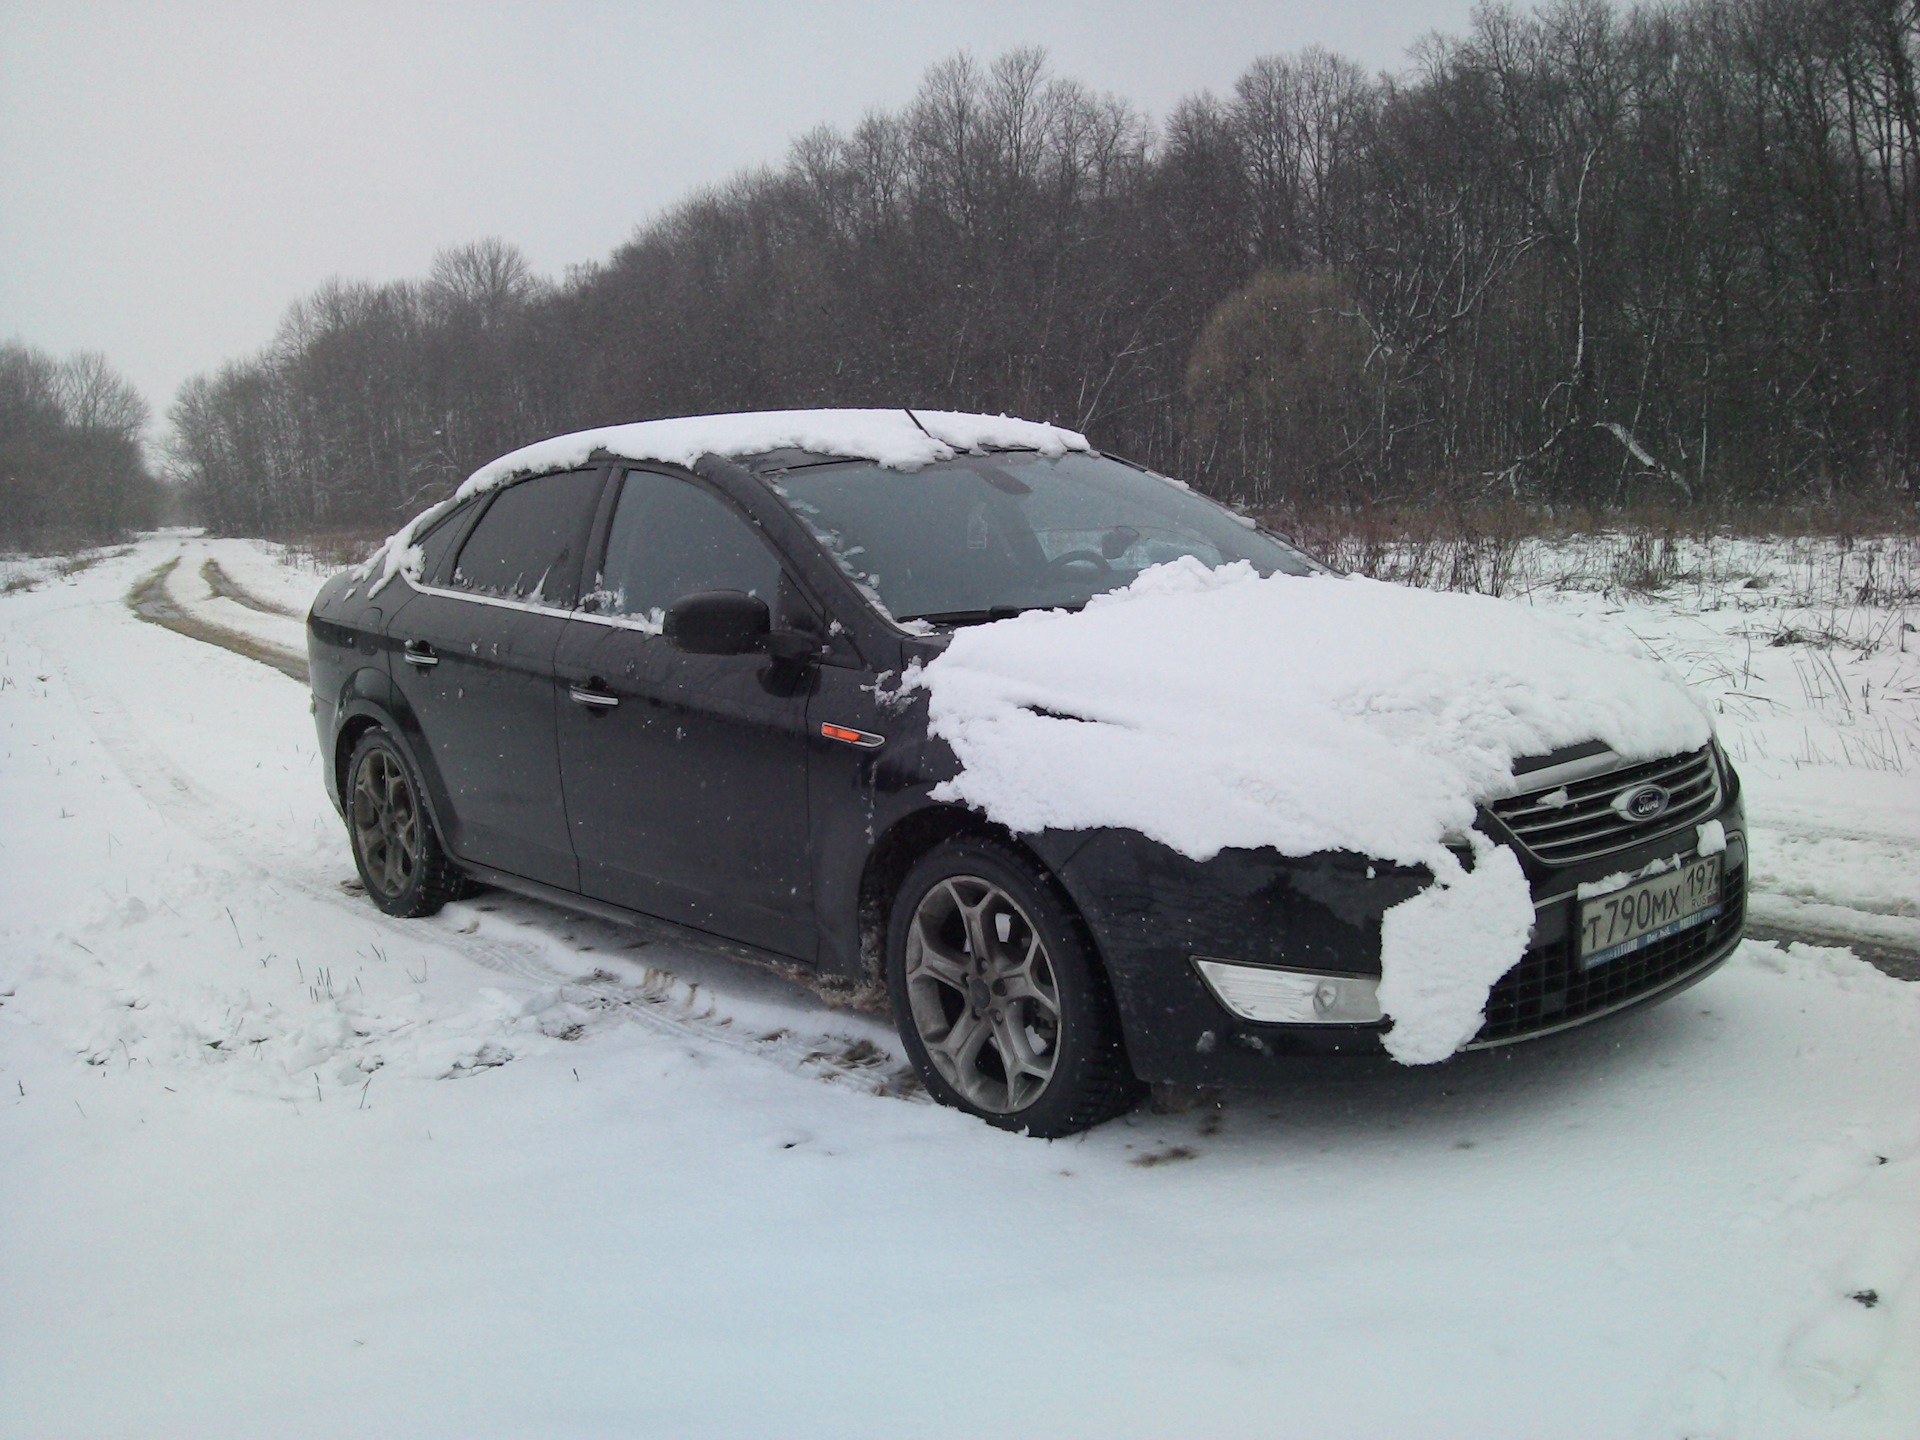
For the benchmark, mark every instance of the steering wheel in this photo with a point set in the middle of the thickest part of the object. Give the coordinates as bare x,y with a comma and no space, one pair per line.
1059,564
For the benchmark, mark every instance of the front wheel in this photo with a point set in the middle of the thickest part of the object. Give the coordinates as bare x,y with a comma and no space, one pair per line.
1000,1003
395,847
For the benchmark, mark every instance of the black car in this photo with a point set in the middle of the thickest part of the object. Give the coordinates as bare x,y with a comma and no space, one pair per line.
655,671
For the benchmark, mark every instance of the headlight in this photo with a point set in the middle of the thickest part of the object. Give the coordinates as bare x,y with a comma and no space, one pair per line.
1729,778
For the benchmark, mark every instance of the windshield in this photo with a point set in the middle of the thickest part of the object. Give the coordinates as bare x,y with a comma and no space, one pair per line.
982,536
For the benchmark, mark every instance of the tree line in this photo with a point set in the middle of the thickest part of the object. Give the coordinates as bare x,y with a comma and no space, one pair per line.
1578,255
72,470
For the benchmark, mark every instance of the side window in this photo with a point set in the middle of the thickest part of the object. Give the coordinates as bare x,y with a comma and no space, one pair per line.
435,544
527,546
670,538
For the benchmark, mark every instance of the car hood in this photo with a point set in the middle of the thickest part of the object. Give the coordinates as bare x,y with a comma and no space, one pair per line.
1214,708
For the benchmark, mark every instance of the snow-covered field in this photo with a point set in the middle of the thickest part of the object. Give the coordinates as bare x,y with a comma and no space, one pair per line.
1817,696
272,1164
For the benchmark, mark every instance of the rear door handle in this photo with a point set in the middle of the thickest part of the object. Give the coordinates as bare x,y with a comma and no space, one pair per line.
593,696
419,652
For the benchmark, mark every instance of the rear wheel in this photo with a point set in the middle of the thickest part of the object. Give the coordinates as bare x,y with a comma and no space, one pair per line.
1000,1003
398,853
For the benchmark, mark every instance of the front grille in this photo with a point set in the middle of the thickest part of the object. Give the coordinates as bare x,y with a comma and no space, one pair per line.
1547,989
1582,824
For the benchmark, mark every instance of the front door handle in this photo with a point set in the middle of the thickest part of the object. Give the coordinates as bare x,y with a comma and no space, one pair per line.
419,652
593,696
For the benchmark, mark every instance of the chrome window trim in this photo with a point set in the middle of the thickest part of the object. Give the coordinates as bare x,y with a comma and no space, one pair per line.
496,601
617,622
612,622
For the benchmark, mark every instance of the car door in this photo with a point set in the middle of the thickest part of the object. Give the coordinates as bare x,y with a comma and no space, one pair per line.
685,774
473,653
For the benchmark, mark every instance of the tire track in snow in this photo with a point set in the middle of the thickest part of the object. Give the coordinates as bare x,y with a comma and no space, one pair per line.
224,585
659,1000
1894,960
150,601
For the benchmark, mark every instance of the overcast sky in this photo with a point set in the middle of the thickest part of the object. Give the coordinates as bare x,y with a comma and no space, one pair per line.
173,175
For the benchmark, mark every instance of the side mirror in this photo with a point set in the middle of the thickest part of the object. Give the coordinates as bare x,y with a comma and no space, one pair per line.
717,622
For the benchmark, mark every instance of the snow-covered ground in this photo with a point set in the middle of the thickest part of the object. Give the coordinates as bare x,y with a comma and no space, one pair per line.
272,1164
1817,695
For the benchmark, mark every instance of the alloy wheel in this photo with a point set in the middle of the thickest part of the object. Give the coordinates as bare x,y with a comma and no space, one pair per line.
386,822
984,997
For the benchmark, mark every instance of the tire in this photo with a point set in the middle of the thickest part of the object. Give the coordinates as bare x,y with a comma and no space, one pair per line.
395,846
1026,1038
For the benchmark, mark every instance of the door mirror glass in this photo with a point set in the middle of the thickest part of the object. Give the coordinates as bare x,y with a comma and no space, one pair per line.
717,622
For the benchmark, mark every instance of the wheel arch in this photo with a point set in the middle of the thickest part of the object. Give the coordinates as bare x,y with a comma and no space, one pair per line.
1100,1081
900,847
360,712
348,736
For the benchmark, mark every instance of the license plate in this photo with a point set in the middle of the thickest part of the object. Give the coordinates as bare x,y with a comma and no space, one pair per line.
1637,915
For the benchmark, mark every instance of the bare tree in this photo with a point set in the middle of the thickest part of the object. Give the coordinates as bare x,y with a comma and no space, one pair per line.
1575,253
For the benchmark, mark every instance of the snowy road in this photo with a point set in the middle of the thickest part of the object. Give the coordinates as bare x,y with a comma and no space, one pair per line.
272,1164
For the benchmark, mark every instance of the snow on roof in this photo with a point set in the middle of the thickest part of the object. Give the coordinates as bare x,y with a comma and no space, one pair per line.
895,439
1214,708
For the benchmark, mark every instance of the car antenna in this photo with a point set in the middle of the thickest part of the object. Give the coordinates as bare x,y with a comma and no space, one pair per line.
916,420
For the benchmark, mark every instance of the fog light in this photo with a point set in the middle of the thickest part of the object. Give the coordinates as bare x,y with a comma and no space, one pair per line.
1292,997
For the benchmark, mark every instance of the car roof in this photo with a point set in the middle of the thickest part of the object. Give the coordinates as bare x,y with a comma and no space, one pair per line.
897,439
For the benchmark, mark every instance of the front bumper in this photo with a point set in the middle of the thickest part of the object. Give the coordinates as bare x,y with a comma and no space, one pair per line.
1155,913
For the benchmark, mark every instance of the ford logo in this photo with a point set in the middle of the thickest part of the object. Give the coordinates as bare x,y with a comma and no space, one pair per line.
1644,802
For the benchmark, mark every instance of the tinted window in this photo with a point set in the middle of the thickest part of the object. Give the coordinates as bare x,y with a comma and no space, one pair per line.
527,546
987,533
438,541
670,538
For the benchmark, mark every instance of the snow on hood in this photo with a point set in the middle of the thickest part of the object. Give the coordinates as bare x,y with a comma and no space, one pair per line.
1213,708
895,439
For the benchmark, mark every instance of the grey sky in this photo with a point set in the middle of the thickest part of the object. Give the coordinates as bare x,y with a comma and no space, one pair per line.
173,175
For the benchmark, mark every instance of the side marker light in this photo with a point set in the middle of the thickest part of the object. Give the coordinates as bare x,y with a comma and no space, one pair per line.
864,739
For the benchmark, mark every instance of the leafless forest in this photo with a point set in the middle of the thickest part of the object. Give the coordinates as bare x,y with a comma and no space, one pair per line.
71,465
1579,257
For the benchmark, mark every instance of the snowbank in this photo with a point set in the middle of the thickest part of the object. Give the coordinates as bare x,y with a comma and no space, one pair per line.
897,439
1213,708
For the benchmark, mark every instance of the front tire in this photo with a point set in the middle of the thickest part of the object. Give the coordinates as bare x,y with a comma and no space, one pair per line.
1000,1003
395,847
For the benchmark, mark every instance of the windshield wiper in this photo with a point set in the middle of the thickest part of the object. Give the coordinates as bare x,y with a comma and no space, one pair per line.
973,617
982,617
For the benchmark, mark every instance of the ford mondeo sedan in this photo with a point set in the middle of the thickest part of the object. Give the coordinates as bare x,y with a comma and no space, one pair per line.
677,670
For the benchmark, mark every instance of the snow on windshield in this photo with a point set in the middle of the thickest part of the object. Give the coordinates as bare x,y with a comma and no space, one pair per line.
1013,531
1208,708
